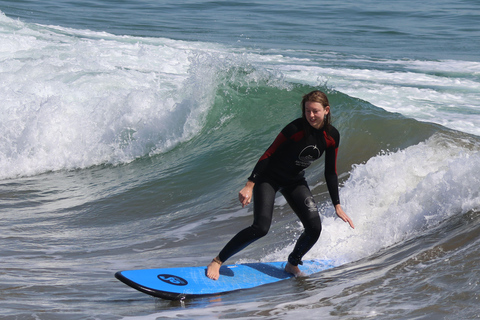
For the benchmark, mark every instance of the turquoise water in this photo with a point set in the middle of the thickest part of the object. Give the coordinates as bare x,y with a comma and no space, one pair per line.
129,127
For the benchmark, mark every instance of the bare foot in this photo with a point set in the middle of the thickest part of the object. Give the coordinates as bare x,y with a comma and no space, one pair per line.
213,270
295,270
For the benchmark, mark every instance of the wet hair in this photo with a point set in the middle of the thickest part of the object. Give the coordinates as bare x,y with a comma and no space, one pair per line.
320,97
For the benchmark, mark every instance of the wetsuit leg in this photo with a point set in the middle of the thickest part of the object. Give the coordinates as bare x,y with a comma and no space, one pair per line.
300,198
263,200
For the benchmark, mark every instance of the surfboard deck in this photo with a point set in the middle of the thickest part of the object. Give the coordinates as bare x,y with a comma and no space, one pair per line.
190,282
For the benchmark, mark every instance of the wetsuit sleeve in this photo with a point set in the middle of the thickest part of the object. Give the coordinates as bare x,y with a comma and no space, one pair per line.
264,160
331,176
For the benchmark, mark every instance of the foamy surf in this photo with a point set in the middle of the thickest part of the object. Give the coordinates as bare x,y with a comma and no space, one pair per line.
73,99
396,196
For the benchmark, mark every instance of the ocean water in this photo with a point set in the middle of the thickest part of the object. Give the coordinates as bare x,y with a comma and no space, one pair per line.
128,128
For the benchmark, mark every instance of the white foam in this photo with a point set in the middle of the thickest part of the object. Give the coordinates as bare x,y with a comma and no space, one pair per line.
396,196
73,98
443,92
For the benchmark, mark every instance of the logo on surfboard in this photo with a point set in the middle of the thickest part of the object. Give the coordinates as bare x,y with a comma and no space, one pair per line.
171,279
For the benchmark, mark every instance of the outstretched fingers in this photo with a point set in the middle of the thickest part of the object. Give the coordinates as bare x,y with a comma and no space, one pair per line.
342,215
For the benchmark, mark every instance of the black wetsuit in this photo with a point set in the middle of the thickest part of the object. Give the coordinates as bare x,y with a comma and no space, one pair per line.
281,168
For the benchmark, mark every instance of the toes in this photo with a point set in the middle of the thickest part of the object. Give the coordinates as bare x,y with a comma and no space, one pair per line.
212,276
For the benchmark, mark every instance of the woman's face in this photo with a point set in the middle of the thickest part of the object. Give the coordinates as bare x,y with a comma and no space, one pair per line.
315,113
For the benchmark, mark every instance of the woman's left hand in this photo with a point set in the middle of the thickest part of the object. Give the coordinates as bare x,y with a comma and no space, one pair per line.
342,215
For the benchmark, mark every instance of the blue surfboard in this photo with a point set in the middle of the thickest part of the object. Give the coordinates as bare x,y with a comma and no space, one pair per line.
190,282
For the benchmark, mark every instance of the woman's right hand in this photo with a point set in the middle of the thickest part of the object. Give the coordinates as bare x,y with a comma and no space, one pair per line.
245,195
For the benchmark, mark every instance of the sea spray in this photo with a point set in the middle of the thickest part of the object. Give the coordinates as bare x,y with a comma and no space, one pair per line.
396,196
74,99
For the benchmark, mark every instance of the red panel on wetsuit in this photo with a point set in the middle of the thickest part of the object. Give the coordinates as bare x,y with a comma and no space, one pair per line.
278,141
330,141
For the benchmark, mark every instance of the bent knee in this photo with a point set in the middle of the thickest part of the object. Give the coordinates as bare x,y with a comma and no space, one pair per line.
260,231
